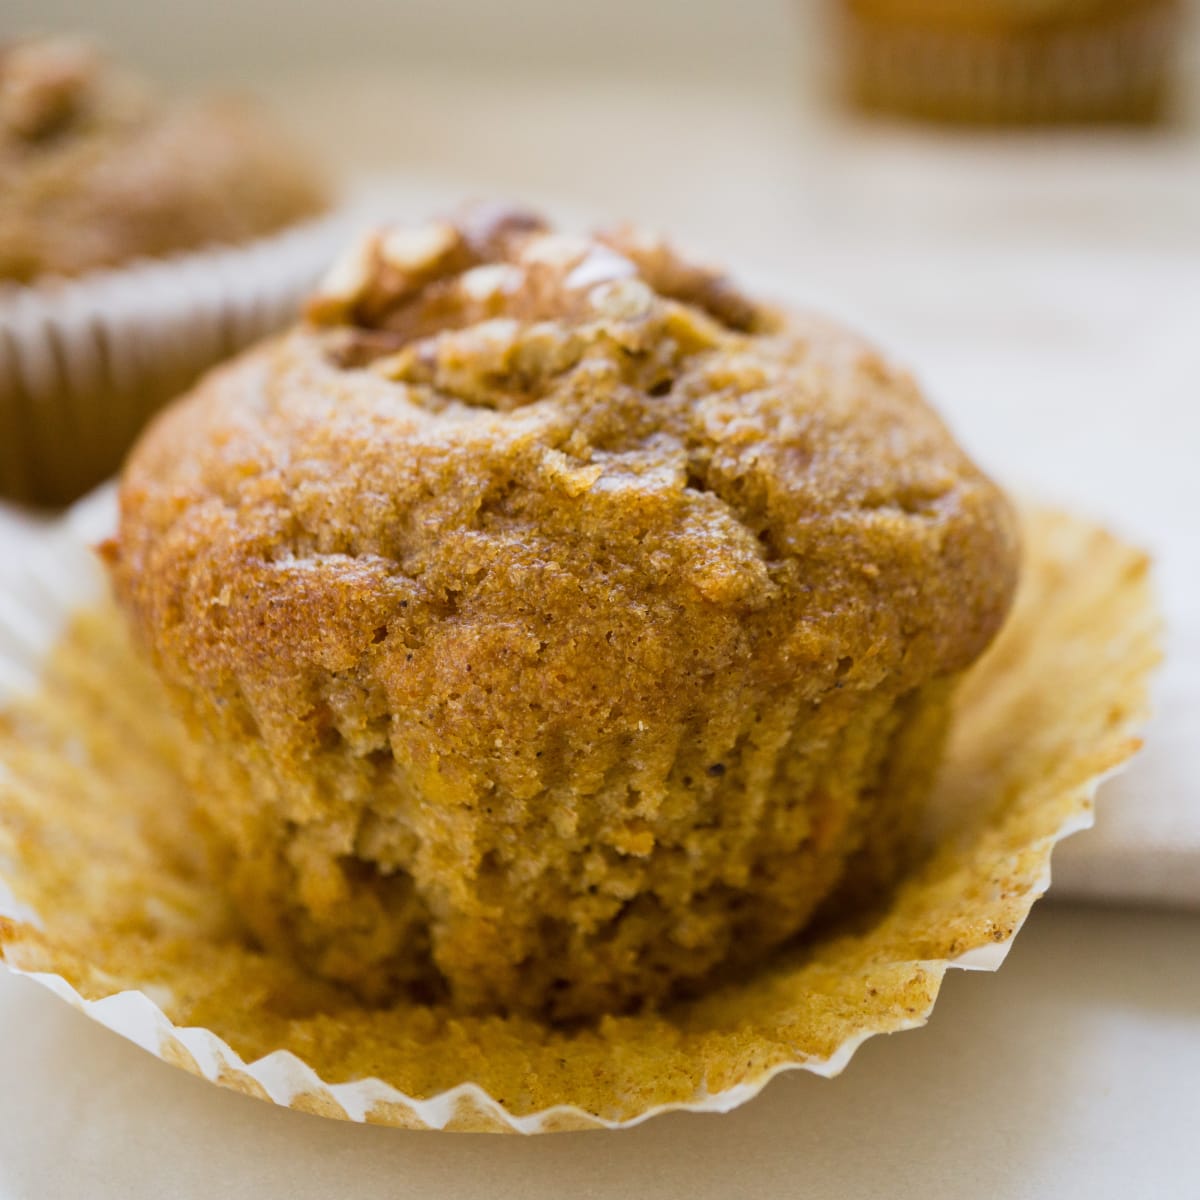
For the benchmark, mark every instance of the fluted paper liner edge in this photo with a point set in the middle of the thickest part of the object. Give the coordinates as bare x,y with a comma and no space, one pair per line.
85,362
98,901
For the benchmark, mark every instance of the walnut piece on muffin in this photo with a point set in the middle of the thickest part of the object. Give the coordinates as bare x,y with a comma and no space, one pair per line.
96,170
557,626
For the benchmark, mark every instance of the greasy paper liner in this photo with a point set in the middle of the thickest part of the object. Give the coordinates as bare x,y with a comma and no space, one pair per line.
84,363
1114,70
102,901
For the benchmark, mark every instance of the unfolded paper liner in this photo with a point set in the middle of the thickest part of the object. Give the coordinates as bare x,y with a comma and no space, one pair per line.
1115,69
85,362
102,901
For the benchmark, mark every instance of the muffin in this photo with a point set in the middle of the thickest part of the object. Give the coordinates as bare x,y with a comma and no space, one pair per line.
556,628
97,170
1011,61
100,179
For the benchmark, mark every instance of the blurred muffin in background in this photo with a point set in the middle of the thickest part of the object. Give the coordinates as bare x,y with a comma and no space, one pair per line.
96,170
1010,61
118,284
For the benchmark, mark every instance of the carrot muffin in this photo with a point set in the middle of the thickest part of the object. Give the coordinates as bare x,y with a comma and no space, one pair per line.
556,626
141,241
96,170
1011,61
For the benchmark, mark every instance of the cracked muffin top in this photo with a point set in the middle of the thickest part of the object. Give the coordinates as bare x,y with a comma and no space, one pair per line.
95,169
496,458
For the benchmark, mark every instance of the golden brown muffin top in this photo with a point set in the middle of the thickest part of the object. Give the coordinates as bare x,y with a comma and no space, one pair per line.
95,170
504,477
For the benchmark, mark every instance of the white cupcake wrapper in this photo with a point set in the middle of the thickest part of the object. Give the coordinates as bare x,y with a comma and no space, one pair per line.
85,362
51,571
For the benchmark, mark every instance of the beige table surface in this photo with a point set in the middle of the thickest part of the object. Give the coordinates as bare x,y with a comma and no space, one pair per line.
1072,1073
1011,272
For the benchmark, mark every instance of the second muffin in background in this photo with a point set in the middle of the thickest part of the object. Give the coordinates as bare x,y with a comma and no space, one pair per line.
142,239
556,625
98,169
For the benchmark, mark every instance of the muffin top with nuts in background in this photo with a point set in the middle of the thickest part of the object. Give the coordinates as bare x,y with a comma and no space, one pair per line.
97,169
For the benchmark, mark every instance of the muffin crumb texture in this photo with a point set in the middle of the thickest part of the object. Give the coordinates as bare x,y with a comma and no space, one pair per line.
557,628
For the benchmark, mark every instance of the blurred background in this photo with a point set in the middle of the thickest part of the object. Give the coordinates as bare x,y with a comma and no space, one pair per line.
1032,274
719,120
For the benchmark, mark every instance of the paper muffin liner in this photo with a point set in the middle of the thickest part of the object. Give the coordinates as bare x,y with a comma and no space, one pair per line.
1115,69
85,362
103,901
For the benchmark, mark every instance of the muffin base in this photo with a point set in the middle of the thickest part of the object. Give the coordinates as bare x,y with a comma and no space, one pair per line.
671,872
107,904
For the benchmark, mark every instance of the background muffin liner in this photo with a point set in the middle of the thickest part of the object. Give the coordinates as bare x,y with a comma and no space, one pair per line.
103,901
85,362
1114,69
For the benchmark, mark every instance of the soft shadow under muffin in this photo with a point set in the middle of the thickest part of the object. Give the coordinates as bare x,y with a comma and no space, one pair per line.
555,626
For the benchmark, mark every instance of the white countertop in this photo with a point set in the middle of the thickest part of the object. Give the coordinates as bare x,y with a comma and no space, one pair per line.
1072,1073
1012,273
